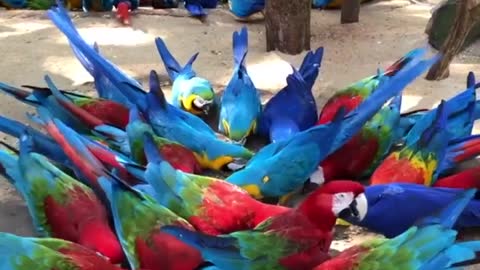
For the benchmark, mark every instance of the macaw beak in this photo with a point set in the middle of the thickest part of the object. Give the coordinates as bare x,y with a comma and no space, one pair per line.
196,104
237,164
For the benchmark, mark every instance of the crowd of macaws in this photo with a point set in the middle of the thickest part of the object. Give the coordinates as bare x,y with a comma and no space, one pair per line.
117,181
242,9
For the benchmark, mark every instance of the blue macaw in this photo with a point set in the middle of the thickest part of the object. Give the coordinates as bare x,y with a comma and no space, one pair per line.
283,167
430,244
189,92
246,8
240,106
411,202
462,108
293,109
195,7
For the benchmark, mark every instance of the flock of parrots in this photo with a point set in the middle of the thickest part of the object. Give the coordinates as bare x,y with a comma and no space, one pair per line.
242,9
115,181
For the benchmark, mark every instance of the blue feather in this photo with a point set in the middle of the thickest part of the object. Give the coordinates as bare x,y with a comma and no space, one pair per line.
246,8
411,202
293,108
43,144
112,76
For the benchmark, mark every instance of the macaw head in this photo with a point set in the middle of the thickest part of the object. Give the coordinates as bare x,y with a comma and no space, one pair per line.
239,117
123,12
198,96
335,199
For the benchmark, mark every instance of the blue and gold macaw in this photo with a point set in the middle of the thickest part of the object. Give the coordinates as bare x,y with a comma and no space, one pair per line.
246,8
240,106
189,92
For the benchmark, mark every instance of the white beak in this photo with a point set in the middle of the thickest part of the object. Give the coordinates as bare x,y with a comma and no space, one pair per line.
362,206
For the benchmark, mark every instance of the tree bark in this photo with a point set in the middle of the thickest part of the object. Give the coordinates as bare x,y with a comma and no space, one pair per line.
350,11
287,25
467,15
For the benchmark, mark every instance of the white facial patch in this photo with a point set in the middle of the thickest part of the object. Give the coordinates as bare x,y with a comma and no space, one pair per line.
317,176
199,102
362,206
341,201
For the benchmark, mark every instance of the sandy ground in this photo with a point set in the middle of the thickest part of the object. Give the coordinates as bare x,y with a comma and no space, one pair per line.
31,47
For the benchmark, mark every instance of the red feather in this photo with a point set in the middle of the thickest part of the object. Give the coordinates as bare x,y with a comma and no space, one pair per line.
110,112
394,170
165,252
469,178
86,259
82,219
180,158
349,102
359,152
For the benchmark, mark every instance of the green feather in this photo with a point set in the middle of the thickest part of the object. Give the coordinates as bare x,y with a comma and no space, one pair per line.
138,218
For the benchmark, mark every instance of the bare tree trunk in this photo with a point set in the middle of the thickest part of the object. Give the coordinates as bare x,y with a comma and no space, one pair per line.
467,15
287,25
350,11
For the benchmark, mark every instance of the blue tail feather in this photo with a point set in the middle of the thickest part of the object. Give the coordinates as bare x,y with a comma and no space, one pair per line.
112,75
311,67
240,46
171,65
447,217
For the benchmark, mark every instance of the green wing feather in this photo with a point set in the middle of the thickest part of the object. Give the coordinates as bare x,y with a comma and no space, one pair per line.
138,218
42,179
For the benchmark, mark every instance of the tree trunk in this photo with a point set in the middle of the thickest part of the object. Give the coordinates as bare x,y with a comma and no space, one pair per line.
465,18
287,25
350,11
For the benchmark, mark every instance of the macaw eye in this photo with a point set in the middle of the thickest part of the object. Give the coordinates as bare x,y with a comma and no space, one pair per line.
226,127
265,179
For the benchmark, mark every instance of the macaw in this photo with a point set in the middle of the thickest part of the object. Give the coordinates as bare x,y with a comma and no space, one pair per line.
211,205
367,149
240,105
402,196
421,161
124,9
178,156
283,167
297,239
13,4
196,7
353,95
19,253
330,3
138,218
189,92
461,116
430,245
245,8
293,109
60,206
97,5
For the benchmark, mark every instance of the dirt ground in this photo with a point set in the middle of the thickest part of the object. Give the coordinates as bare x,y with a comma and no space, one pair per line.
32,47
